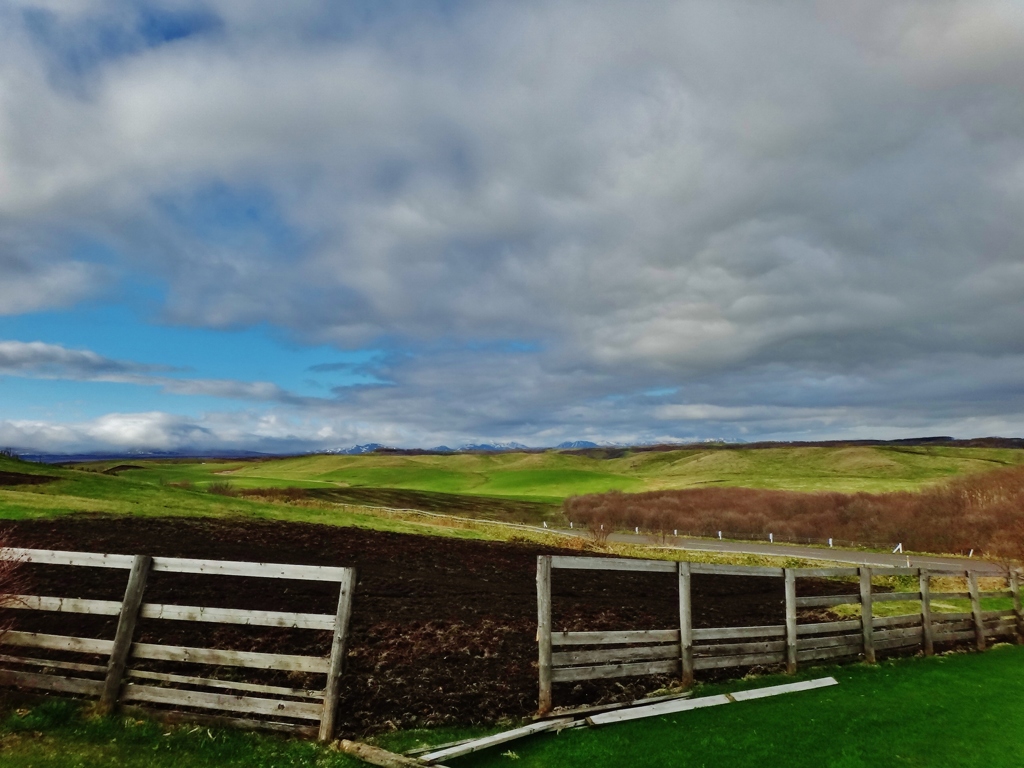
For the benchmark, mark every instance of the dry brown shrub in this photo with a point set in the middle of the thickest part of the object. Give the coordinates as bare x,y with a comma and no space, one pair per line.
982,512
13,580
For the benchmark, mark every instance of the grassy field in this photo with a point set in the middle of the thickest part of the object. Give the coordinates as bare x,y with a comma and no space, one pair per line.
964,710
550,477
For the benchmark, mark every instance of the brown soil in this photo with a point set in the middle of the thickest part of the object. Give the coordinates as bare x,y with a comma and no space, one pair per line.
442,631
19,478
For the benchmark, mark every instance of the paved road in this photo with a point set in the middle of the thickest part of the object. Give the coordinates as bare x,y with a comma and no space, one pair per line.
854,557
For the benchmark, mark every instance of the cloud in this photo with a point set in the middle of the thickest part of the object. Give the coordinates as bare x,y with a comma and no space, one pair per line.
52,361
793,213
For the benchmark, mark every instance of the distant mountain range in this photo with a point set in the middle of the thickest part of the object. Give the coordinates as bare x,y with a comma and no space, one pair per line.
571,445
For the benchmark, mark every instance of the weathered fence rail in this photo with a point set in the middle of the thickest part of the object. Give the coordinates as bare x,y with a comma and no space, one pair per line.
120,681
682,651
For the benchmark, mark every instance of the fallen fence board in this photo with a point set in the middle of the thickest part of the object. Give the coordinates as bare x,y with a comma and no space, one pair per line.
602,672
616,638
367,753
730,633
654,710
775,690
491,741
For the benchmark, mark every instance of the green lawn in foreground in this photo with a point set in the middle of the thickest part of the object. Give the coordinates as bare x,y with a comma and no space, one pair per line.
958,710
58,735
552,476
962,710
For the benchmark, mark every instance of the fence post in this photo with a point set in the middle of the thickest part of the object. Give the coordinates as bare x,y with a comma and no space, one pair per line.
126,621
926,613
685,624
1015,591
339,647
790,621
866,615
544,632
979,621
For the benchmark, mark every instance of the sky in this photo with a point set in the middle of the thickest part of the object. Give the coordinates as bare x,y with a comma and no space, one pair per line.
256,225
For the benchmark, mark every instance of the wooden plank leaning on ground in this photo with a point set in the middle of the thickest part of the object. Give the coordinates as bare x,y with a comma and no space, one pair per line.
499,738
376,756
672,707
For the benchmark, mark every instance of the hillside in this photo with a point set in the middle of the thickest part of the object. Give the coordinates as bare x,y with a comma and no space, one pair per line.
552,476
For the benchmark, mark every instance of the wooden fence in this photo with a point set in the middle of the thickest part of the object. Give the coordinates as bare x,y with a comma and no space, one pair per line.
682,651
119,681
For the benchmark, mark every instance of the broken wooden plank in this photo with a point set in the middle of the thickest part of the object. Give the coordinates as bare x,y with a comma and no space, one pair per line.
654,710
590,709
490,741
375,755
775,690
